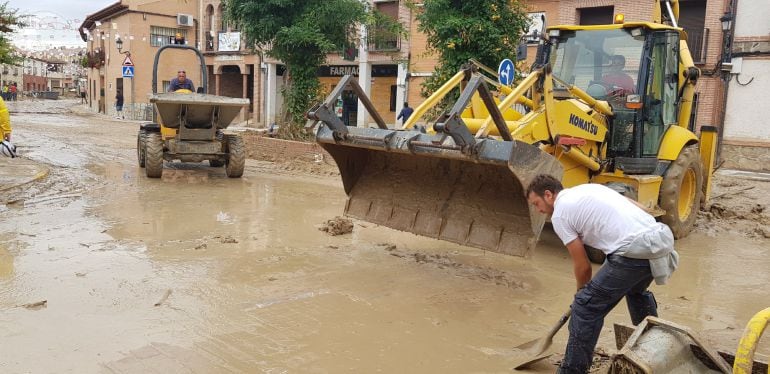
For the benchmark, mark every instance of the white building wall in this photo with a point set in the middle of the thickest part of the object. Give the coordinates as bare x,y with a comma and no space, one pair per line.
752,18
747,110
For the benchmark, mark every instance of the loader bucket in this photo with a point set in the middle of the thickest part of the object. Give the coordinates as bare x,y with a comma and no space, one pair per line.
450,185
403,180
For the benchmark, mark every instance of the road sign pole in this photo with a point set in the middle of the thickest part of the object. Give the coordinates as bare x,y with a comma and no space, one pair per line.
133,102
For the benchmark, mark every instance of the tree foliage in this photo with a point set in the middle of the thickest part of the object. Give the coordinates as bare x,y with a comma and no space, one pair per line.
458,30
9,18
300,33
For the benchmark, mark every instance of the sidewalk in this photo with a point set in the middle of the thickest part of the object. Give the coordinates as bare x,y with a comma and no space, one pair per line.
15,172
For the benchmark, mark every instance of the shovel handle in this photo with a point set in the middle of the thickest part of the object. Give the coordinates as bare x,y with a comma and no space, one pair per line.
562,321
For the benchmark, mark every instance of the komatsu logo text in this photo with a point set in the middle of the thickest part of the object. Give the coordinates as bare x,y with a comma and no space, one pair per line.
583,124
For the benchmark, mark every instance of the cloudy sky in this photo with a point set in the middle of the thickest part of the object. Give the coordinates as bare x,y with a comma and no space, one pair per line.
69,9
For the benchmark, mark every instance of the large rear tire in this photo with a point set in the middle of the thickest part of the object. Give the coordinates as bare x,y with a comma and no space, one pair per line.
153,163
680,192
236,156
140,147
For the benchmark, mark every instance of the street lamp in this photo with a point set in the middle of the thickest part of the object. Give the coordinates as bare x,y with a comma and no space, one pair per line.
119,45
727,22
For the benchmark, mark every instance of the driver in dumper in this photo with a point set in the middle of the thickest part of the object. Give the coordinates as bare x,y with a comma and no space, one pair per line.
181,82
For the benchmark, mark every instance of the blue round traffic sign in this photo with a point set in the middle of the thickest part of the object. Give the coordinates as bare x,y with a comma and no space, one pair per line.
506,72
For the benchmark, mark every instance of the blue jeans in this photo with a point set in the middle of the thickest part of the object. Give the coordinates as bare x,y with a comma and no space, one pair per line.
619,276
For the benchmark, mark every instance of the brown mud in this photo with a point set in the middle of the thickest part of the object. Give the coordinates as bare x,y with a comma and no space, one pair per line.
337,226
197,272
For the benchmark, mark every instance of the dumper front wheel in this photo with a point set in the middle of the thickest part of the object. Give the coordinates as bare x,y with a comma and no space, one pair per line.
140,150
236,156
153,160
680,192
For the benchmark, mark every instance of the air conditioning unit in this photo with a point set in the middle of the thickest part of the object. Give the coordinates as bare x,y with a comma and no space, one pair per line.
184,20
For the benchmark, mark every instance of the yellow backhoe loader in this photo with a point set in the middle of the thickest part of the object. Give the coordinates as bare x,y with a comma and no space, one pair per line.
609,104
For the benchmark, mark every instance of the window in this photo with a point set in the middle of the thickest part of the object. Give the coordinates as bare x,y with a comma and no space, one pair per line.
661,91
160,36
692,15
393,98
584,58
223,24
209,30
380,38
596,16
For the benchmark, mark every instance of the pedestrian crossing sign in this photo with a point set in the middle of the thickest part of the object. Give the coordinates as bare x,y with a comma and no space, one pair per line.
128,71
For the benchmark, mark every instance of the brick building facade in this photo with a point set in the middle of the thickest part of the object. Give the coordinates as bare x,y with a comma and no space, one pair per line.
392,72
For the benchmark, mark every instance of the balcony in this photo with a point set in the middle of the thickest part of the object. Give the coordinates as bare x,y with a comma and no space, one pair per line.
95,59
697,41
381,40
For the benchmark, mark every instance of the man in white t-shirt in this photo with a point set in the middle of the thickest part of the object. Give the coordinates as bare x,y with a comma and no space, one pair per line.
638,250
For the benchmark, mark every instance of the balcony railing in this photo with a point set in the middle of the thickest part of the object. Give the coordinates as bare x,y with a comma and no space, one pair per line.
384,41
697,41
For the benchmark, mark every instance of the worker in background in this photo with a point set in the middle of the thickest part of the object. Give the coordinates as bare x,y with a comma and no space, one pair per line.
179,39
638,250
181,82
405,113
119,105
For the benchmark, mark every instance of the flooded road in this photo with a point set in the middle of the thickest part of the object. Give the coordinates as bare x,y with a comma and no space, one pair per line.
200,273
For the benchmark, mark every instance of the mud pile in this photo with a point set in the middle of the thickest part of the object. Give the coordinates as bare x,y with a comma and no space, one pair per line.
337,226
740,206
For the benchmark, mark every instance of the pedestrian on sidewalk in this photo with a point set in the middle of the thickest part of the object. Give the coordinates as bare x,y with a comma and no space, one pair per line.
5,92
13,90
119,104
638,250
405,113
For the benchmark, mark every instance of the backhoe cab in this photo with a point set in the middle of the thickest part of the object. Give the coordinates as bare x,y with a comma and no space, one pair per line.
609,104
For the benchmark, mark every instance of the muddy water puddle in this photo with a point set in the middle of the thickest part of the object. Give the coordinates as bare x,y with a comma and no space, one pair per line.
245,282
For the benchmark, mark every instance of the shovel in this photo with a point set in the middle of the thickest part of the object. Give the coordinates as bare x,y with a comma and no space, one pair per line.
534,349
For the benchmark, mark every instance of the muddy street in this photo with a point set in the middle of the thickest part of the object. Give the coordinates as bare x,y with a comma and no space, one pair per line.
105,270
